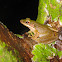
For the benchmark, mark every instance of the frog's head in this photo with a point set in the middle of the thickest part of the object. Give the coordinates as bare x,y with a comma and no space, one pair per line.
27,22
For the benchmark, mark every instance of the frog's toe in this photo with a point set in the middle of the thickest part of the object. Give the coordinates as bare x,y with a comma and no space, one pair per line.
29,35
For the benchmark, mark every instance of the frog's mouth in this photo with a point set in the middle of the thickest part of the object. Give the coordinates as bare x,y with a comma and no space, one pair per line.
25,24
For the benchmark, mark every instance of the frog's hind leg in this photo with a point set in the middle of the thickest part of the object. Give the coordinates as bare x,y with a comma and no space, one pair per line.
39,40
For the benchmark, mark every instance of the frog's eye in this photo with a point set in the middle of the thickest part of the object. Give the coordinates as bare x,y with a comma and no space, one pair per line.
27,22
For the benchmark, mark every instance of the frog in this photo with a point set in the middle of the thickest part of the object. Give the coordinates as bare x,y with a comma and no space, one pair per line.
42,33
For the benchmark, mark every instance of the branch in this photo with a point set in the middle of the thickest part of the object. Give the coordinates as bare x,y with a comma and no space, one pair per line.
22,45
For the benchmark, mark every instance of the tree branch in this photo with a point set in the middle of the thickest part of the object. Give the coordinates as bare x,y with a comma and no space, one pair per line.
22,45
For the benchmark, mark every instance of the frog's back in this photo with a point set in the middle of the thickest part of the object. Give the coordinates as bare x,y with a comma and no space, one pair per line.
42,29
48,38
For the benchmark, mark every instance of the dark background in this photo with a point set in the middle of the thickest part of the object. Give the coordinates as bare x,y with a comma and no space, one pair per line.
11,11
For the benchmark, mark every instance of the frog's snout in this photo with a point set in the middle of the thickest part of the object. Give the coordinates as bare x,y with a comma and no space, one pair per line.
21,21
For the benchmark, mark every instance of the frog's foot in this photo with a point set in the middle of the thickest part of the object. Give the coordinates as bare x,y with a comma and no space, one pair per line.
30,34
36,35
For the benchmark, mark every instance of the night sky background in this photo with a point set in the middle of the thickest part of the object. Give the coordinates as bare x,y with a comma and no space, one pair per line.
12,11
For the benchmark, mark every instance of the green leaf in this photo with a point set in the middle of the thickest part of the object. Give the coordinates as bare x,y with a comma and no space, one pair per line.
42,51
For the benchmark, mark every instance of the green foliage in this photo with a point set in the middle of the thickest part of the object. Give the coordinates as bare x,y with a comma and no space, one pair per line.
5,55
42,52
41,12
19,36
54,12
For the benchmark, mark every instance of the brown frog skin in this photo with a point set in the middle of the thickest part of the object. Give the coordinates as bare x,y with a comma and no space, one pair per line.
42,33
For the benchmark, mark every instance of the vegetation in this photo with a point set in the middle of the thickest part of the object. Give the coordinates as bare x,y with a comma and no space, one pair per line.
41,52
7,56
44,52
47,8
19,36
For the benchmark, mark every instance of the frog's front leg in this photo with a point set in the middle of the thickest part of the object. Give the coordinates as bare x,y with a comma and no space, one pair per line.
36,35
30,33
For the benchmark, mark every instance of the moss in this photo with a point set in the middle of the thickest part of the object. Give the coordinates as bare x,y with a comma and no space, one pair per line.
54,12
18,35
5,55
43,51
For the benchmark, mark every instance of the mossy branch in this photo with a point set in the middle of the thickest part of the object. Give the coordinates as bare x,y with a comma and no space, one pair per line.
47,8
22,45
